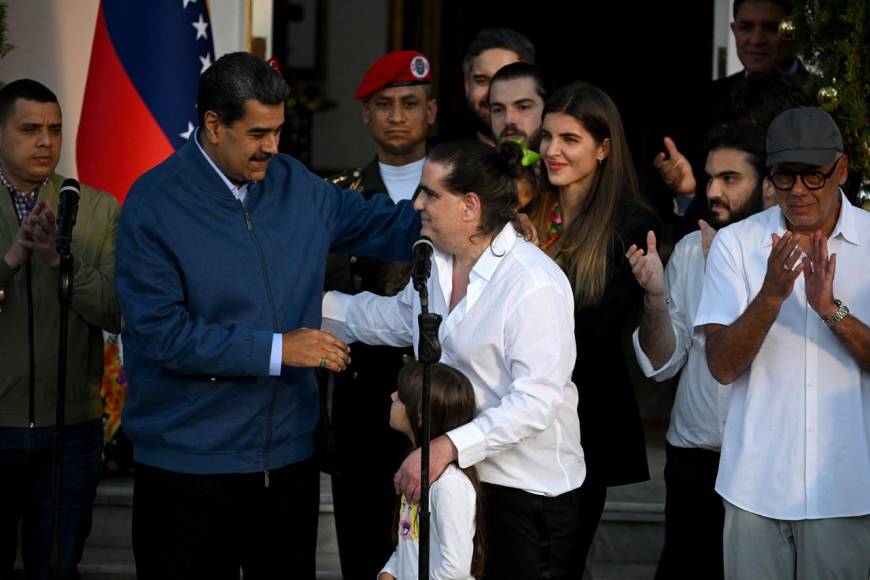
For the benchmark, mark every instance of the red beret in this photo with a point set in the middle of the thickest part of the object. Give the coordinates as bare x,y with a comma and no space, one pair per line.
401,67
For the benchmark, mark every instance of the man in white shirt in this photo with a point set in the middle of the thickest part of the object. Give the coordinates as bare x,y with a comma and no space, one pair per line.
508,326
398,110
783,321
666,343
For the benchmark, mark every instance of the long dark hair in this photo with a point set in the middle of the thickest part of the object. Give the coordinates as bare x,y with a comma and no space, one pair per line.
452,405
490,173
588,239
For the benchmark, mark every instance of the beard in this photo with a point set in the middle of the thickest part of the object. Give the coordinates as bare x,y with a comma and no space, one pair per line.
511,132
751,206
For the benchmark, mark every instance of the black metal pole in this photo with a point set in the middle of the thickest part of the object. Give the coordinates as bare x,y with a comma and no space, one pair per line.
65,298
429,353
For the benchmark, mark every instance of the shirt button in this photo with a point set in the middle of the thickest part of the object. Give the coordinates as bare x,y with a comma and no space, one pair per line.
810,385
810,429
354,259
406,358
213,379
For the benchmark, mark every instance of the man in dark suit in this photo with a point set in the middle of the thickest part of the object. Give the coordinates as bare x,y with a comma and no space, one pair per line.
398,109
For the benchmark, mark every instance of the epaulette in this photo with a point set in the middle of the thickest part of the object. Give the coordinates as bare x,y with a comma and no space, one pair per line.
349,179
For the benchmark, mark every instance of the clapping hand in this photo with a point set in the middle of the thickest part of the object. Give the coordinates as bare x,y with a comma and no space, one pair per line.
819,270
783,267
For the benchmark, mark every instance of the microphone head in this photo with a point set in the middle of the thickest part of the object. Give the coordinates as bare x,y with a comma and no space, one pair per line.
423,245
70,186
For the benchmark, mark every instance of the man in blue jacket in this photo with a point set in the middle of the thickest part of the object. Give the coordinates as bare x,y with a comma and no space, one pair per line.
220,269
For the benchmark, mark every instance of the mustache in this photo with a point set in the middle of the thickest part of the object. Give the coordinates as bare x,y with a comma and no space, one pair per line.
261,157
511,131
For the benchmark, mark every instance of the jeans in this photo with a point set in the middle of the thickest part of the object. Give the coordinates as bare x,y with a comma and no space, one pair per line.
26,478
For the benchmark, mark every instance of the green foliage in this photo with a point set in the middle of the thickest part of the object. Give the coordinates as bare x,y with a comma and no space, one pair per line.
835,40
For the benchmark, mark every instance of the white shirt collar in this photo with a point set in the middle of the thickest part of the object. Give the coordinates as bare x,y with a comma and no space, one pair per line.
240,192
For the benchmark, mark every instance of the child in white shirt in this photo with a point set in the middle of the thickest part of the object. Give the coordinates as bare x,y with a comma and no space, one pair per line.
456,538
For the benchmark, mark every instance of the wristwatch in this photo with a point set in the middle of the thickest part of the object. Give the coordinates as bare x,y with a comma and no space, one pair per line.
840,314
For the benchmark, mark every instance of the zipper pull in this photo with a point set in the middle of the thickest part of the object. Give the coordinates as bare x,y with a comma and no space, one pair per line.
266,474
248,222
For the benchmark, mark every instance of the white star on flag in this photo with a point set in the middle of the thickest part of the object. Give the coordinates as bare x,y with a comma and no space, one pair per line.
200,26
186,135
186,2
206,62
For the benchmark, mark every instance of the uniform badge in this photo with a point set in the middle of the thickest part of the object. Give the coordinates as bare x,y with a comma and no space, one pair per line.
419,67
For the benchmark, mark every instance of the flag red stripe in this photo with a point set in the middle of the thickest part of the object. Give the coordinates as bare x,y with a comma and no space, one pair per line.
118,138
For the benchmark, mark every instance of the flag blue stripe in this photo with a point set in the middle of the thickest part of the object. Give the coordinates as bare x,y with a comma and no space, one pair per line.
158,47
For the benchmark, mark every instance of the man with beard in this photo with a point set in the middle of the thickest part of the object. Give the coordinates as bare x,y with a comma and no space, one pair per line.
517,94
491,49
667,342
398,109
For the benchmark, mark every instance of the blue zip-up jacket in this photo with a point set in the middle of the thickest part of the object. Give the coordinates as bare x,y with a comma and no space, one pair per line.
204,283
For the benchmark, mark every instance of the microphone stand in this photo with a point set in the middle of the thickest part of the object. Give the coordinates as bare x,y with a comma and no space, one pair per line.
429,353
65,291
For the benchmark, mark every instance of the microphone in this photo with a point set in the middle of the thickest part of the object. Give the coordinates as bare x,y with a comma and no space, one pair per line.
422,249
66,215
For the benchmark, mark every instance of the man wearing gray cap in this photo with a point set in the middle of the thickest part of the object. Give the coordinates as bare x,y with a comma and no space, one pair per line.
785,298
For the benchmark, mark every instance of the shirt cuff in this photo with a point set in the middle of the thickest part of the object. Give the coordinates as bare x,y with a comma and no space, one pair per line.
646,366
335,306
470,444
276,356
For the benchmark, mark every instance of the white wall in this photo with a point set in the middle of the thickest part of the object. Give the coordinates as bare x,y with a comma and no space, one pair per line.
722,37
357,35
53,40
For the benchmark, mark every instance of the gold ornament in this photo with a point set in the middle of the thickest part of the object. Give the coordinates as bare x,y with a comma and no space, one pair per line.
788,29
828,98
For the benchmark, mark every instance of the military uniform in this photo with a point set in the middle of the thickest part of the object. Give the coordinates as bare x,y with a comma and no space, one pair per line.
364,451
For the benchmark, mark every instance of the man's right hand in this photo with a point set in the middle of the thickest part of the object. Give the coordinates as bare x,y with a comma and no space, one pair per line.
675,169
648,269
781,270
308,347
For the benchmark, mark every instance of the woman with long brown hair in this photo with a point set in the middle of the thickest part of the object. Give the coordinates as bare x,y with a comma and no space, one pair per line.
593,218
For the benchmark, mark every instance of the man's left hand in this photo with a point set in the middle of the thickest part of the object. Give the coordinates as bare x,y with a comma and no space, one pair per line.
407,479
819,270
41,228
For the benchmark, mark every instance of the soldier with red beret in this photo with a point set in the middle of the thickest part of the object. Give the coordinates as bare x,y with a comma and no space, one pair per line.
398,109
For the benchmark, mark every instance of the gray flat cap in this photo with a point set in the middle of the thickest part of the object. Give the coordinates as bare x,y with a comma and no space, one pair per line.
803,135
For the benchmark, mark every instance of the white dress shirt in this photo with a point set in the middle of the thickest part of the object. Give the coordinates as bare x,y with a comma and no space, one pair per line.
797,440
701,403
513,337
452,502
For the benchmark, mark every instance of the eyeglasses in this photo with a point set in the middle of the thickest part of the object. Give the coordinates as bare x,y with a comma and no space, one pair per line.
812,180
